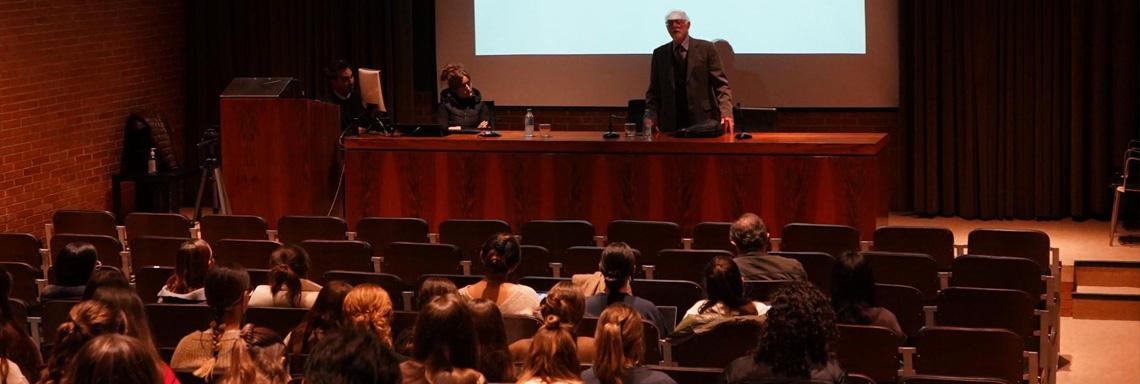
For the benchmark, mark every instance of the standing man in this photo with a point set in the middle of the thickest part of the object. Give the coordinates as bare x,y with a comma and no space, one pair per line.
687,84
342,92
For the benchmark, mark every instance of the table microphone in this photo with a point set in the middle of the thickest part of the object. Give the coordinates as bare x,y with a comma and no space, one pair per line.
610,134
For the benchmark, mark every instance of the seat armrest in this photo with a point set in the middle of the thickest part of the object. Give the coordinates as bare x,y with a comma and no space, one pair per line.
928,315
555,268
599,241
908,361
686,243
944,280
408,297
648,271
433,238
350,235
466,265
377,263
126,260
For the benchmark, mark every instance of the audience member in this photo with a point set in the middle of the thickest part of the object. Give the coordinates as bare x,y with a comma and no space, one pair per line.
105,277
326,316
433,287
114,359
19,356
127,301
618,266
87,319
853,295
750,236
260,358
620,338
352,356
185,286
494,358
206,351
70,271
725,300
565,301
500,256
552,358
288,287
445,345
794,342
461,105
368,306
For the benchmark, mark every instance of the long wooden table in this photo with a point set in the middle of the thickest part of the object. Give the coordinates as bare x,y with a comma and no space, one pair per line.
835,178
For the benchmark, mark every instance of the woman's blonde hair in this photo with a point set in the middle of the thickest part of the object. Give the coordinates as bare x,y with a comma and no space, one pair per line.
258,357
369,306
553,354
620,342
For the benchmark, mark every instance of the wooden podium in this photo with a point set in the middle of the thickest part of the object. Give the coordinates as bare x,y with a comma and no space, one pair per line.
279,156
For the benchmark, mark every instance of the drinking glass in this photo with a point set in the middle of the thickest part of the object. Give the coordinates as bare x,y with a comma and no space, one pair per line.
544,130
630,129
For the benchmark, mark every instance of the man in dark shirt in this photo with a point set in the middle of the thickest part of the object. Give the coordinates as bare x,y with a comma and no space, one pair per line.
342,92
750,236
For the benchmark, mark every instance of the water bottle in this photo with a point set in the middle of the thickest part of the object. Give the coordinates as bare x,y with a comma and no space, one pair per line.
528,124
152,163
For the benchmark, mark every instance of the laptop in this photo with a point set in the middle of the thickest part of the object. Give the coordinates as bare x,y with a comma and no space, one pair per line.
420,130
755,119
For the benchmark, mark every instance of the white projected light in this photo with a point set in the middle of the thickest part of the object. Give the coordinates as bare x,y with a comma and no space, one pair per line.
609,27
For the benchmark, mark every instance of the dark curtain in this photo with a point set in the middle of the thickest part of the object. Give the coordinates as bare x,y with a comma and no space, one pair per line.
294,38
1018,108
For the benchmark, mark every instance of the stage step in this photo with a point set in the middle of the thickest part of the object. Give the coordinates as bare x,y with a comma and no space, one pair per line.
1106,290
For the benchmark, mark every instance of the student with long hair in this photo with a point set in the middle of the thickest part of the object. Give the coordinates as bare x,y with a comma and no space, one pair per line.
853,295
127,301
70,271
618,265
620,340
565,301
500,255
445,346
552,357
195,257
494,358
260,358
795,341
17,350
725,299
326,315
430,288
368,306
114,358
288,285
105,277
209,350
352,356
86,320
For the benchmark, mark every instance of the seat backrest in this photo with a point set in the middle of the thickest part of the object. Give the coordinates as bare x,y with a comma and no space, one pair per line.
257,276
910,269
247,253
997,272
649,237
519,327
297,229
818,265
690,374
281,320
986,308
469,235
171,322
557,235
762,290
460,281
855,378
84,222
342,255
381,231
905,303
53,314
980,352
675,293
589,325
685,264
20,248
827,238
936,242
713,235
403,320
150,280
19,310
535,262
1024,243
541,284
578,260
23,281
157,224
107,248
410,260
389,282
938,379
719,346
149,250
868,350
236,227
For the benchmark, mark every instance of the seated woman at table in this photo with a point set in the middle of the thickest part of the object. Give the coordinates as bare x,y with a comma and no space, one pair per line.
461,105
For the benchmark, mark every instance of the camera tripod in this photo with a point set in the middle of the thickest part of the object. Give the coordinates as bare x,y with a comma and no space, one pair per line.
211,174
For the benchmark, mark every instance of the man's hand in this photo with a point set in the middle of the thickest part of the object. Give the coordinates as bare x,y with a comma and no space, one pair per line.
728,124
484,124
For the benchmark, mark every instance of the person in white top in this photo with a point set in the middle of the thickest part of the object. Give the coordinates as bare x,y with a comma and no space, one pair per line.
288,287
501,254
195,257
725,289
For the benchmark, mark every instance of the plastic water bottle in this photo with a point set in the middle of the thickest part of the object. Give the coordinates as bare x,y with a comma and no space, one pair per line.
152,163
528,124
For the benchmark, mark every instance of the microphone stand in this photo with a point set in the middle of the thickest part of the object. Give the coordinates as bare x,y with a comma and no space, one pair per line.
610,134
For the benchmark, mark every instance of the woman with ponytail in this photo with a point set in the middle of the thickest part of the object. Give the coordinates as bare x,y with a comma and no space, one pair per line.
618,266
565,301
552,358
725,301
259,358
288,287
501,254
86,320
206,351
185,286
19,355
620,341
369,307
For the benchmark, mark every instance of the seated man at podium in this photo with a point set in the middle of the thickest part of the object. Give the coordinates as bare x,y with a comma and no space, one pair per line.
342,92
461,105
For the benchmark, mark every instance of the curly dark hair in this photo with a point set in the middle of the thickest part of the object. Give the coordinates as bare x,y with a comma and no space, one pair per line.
799,328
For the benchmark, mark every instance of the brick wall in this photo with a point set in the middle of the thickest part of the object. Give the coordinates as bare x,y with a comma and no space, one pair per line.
70,73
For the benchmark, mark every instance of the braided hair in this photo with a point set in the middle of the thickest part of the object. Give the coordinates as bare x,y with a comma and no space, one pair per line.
226,288
368,306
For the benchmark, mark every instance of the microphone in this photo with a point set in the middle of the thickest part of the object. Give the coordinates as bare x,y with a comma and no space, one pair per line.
610,134
742,135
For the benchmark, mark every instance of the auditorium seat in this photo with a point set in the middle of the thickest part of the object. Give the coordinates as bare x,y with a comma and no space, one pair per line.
868,350
668,293
410,260
235,227
535,261
580,260
911,269
762,290
403,320
827,238
684,264
939,379
649,237
280,319
52,314
23,281
855,378
343,255
84,222
108,249
558,235
19,310
905,303
818,265
157,224
713,235
997,308
297,229
520,327
460,281
469,235
685,375
1023,243
716,347
588,326
935,242
975,352
389,282
247,253
381,231
997,272
149,280
171,322
20,248
149,250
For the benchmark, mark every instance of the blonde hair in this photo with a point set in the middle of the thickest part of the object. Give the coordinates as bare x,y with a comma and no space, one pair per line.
553,354
620,343
258,357
369,306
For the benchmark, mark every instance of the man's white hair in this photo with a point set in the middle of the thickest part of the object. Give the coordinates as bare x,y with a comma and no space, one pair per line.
677,14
